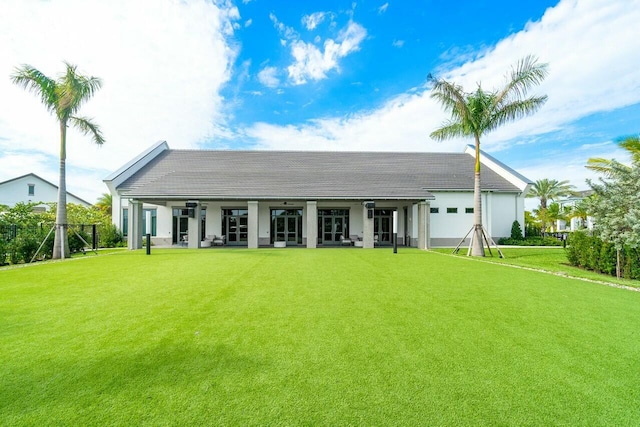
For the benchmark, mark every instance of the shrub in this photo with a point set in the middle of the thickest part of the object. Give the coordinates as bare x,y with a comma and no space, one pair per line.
590,252
516,231
110,236
531,241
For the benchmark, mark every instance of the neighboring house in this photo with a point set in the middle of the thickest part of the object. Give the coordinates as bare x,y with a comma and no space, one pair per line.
257,198
30,188
574,223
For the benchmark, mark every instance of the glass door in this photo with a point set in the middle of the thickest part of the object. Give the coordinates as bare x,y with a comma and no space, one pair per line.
180,225
332,223
383,226
286,226
235,226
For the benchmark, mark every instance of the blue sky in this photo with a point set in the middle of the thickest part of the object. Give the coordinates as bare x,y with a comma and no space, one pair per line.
330,75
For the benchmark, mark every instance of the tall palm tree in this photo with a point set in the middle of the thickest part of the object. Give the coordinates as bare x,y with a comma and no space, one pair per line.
63,98
477,113
550,189
603,166
105,203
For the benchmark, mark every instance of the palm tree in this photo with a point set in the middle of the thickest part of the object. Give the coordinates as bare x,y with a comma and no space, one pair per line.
550,189
105,203
477,113
63,98
603,166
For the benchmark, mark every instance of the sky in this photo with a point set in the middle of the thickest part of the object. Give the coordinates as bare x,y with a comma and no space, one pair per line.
324,75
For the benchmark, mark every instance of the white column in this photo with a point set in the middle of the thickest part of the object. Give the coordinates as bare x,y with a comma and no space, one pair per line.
312,224
367,227
423,225
134,238
252,223
195,227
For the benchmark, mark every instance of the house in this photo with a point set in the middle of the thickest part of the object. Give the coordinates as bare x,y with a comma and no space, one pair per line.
30,188
575,223
260,198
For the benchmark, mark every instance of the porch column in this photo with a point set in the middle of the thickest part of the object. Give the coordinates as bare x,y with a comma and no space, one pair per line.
312,224
134,240
195,226
252,224
367,226
423,225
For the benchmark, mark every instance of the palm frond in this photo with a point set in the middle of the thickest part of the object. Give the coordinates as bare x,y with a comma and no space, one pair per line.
85,126
451,96
527,73
632,145
516,110
451,129
35,81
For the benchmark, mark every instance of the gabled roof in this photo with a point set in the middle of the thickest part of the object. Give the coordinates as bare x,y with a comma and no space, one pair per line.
43,181
230,174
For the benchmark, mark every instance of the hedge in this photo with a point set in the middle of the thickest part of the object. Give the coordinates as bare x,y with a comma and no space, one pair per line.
590,252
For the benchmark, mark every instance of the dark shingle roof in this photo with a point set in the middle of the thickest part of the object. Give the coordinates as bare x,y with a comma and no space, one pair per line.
209,174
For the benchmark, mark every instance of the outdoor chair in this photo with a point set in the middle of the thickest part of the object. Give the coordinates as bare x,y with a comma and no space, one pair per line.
344,241
218,240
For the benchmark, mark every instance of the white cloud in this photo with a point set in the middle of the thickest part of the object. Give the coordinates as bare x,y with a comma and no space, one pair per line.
313,20
268,77
382,9
248,23
162,63
398,43
310,63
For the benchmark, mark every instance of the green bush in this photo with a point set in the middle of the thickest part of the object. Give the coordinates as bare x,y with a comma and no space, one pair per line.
516,230
110,236
531,241
588,251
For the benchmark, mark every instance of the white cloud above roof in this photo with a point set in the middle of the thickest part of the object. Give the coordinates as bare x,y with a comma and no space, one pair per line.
313,63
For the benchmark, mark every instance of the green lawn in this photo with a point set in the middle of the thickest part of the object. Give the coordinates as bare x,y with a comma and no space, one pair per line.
312,337
553,259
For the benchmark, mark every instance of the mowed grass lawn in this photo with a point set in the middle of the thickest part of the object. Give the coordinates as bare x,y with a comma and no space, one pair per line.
312,337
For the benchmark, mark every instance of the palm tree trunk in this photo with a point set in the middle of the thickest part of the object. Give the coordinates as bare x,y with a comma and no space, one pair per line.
478,244
61,240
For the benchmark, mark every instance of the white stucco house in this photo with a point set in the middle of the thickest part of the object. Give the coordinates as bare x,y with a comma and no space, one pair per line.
30,188
311,199
574,223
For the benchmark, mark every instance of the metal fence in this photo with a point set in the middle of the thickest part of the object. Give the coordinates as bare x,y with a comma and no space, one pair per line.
89,232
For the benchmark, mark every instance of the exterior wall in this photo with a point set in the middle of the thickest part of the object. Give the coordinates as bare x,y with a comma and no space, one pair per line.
499,210
17,190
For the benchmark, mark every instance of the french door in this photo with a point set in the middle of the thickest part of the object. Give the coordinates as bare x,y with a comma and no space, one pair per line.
235,226
383,226
332,223
286,226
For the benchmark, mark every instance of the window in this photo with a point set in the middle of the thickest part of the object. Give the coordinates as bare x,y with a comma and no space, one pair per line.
31,189
468,210
452,210
154,213
125,221
435,210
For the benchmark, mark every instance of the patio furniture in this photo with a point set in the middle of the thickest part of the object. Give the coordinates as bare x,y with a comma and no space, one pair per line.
218,240
344,241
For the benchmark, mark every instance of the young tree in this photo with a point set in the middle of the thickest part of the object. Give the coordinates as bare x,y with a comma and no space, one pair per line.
615,207
62,97
477,113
